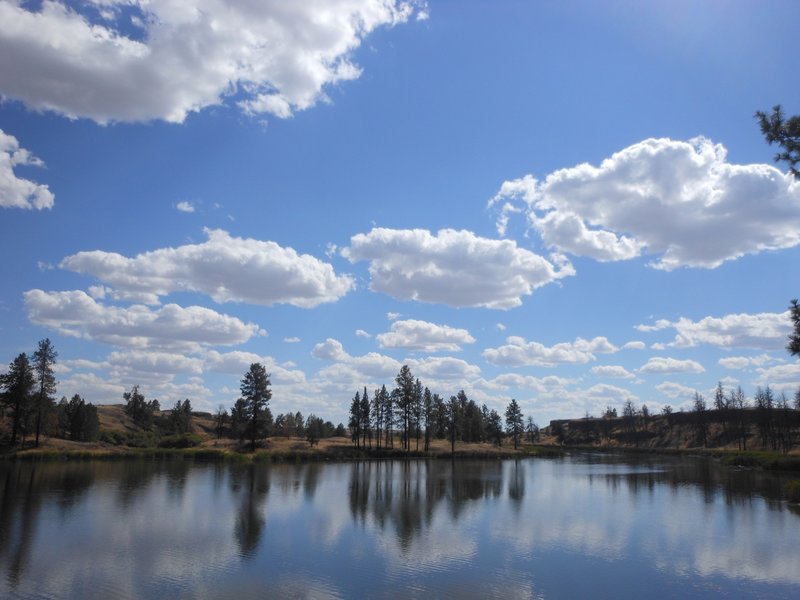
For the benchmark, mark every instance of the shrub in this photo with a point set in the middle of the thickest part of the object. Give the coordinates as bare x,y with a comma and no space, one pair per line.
185,440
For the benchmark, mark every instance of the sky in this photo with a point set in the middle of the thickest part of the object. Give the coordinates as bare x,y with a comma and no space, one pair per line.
565,203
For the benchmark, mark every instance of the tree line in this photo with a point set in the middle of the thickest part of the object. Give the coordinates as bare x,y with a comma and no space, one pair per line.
27,393
411,412
769,422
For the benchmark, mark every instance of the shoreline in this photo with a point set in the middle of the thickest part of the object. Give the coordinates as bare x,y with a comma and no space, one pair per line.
749,459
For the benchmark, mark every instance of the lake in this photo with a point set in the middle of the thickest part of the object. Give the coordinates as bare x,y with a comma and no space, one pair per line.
587,525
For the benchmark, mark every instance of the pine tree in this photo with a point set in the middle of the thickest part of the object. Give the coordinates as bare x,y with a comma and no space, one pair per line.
514,422
17,395
256,393
43,360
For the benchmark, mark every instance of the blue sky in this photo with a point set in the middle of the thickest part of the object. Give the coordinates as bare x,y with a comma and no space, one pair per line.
565,203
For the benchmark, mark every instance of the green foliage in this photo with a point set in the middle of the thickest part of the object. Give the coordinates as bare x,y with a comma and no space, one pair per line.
514,423
138,409
17,394
43,360
794,338
184,440
777,129
314,428
78,420
180,419
256,394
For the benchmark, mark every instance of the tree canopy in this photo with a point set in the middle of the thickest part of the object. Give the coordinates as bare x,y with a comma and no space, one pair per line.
785,132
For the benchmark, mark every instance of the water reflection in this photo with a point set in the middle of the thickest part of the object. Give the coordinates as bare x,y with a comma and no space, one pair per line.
252,485
666,527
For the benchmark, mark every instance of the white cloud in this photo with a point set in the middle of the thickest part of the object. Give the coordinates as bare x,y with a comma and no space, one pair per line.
740,362
229,269
292,340
422,335
603,393
438,368
780,376
273,57
680,202
661,364
363,334
456,268
500,327
92,388
16,192
675,390
77,314
616,371
767,331
634,345
543,385
185,206
518,352
237,362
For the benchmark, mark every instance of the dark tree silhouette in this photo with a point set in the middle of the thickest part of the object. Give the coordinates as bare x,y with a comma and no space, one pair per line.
43,360
17,386
785,132
794,338
256,395
514,423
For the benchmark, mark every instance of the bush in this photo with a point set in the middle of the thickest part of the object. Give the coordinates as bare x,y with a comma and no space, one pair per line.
185,440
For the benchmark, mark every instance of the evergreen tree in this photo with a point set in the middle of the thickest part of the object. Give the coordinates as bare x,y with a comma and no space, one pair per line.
364,415
138,409
256,393
514,422
494,428
355,419
43,360
777,129
427,414
406,394
17,395
314,429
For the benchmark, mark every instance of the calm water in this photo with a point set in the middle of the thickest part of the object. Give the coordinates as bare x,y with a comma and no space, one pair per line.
585,526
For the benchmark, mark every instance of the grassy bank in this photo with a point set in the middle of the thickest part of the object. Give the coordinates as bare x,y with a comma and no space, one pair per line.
281,450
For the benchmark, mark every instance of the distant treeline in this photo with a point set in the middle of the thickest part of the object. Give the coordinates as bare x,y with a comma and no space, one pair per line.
413,412
767,422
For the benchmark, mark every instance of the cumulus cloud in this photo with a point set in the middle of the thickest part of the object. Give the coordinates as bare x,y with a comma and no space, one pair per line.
422,335
518,352
236,362
634,345
740,362
543,385
158,59
16,192
227,268
615,371
363,334
452,267
675,390
662,364
766,331
781,377
77,314
185,206
679,202
438,368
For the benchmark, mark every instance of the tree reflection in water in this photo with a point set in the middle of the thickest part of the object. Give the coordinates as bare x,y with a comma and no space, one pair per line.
406,494
252,484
